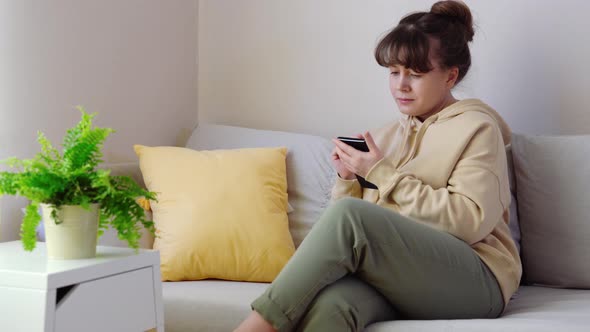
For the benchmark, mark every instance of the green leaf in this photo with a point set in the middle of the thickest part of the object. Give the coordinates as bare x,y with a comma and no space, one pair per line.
28,230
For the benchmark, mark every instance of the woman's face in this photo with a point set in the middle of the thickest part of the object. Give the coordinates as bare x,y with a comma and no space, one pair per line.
421,94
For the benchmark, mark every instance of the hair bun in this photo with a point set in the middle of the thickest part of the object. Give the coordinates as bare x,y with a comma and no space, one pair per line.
458,11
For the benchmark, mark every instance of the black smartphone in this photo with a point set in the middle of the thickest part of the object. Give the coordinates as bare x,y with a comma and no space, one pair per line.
357,143
361,145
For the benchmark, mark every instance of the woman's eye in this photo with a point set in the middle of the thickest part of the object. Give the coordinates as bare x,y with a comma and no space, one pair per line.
394,73
416,75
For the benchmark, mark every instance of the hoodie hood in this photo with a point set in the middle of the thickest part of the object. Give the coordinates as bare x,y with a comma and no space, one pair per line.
476,105
411,124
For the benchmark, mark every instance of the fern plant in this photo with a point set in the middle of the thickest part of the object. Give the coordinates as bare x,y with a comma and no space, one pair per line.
72,178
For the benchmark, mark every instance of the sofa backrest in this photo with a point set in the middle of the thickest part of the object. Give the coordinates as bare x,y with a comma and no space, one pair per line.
549,180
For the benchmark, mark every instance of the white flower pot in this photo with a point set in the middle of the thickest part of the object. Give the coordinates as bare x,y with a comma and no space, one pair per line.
75,237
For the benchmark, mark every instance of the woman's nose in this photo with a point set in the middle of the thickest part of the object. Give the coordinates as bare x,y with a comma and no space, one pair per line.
403,84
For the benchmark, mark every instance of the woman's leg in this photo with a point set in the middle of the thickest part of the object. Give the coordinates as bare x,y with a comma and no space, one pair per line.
424,273
348,304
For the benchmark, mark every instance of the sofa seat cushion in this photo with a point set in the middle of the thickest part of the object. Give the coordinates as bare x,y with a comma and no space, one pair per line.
207,305
532,309
214,305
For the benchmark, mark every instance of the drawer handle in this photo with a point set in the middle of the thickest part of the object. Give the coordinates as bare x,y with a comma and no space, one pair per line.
62,292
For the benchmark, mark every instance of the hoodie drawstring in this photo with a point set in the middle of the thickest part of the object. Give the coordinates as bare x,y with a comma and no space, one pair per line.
419,136
405,135
414,147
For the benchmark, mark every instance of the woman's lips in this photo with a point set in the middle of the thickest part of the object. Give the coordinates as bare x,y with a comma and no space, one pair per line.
404,101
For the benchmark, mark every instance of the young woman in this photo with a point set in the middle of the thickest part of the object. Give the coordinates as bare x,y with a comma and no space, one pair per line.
432,242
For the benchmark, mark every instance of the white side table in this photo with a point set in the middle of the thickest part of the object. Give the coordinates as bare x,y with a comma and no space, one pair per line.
118,290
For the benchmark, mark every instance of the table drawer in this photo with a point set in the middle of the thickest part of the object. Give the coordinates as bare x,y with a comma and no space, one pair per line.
123,302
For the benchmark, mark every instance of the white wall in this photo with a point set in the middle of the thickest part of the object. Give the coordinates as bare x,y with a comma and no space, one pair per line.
307,66
133,62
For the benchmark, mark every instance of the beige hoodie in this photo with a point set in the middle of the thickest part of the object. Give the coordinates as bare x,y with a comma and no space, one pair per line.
450,173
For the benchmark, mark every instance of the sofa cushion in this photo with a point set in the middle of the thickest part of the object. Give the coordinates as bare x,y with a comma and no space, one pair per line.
553,179
534,309
219,214
207,305
214,305
310,175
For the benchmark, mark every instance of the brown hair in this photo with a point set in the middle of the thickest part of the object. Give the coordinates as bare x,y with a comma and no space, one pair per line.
408,44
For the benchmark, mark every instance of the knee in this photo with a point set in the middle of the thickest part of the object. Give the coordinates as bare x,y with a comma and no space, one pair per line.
345,206
346,203
347,210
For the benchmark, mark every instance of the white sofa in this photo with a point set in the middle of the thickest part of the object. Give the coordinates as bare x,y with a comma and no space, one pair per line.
214,305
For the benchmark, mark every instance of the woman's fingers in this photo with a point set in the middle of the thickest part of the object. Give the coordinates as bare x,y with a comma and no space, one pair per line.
345,158
343,147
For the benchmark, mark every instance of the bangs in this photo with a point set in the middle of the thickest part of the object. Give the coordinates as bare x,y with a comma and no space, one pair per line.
404,46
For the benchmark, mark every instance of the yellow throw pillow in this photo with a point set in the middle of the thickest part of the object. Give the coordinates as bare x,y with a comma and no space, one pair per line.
220,214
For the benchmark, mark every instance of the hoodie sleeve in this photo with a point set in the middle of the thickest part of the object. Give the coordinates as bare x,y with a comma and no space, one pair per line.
346,188
473,201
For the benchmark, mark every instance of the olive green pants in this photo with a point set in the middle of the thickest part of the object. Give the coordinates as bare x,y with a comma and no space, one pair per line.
362,263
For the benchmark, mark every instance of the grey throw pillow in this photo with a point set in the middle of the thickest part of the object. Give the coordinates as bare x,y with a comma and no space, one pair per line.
552,183
514,223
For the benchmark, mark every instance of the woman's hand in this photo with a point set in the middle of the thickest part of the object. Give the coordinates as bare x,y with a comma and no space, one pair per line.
349,161
343,172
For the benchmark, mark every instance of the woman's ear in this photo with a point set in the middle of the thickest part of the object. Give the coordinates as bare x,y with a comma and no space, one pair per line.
452,75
